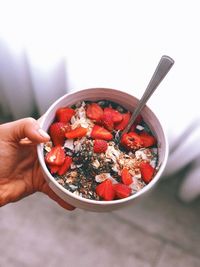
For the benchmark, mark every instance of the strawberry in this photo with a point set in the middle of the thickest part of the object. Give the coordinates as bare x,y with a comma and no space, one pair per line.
110,117
126,177
100,146
121,190
105,190
125,120
99,132
64,114
56,156
76,133
53,169
94,112
147,171
131,141
116,115
66,165
107,121
147,139
57,132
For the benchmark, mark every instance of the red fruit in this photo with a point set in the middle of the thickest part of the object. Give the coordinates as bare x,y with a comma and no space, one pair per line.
105,190
64,114
107,121
147,139
100,146
147,171
126,177
131,141
99,132
94,112
57,132
125,120
66,165
122,190
116,115
76,133
56,156
53,169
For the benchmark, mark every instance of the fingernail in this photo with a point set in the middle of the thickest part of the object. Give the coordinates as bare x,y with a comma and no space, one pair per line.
43,133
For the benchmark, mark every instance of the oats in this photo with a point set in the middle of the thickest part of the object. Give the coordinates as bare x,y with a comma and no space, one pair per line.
96,164
144,154
102,177
73,174
78,144
48,146
70,179
112,153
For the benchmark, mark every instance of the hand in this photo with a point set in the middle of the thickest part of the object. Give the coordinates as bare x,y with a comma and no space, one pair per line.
20,172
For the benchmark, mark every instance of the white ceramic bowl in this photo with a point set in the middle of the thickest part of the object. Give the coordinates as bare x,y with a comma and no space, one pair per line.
129,102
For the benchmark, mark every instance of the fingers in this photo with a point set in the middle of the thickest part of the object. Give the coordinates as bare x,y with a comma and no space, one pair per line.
47,190
27,129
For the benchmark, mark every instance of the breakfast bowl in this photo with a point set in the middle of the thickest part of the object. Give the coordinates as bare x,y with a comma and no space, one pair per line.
124,192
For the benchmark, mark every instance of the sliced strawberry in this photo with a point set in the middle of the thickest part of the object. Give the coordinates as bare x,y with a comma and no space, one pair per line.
100,146
64,114
125,120
99,132
147,139
94,112
76,133
107,121
122,190
126,177
105,190
65,166
53,169
56,156
147,171
116,115
131,141
57,132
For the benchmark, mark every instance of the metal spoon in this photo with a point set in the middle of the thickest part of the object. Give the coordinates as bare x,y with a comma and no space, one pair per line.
161,71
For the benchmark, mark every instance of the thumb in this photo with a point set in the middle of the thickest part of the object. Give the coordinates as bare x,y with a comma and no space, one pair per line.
24,128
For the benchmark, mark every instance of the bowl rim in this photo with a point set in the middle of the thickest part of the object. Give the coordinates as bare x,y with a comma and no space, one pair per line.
101,202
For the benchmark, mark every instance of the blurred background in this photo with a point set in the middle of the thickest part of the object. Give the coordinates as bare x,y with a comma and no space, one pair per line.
49,48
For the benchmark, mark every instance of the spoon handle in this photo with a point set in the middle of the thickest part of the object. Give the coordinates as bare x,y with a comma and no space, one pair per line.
161,71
